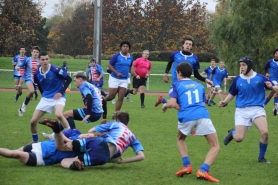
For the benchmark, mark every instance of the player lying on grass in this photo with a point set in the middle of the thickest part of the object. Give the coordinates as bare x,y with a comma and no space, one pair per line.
42,153
187,96
118,139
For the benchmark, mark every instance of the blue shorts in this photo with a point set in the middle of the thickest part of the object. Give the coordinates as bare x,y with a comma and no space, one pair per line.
28,81
16,78
97,151
97,84
79,114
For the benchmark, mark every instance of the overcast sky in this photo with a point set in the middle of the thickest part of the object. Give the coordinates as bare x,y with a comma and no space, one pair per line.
48,9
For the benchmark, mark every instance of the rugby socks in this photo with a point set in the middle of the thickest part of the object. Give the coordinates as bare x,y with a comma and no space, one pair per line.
263,148
103,93
164,100
266,100
205,167
26,101
233,132
142,97
185,161
36,94
35,137
128,91
275,100
16,97
71,123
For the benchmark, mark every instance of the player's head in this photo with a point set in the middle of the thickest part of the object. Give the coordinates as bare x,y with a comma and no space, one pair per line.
35,51
125,46
64,63
93,62
122,116
275,54
212,62
184,70
44,59
79,77
187,43
222,64
22,50
145,54
246,64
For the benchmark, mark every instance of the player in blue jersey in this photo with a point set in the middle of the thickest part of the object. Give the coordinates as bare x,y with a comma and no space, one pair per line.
249,89
271,69
95,75
182,56
18,78
119,65
218,74
42,153
65,67
208,71
187,96
52,83
118,139
28,77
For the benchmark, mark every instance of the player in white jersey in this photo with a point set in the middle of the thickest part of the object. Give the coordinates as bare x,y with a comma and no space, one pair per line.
188,96
249,89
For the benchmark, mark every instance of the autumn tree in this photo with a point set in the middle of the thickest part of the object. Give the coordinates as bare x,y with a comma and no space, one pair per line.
17,25
245,28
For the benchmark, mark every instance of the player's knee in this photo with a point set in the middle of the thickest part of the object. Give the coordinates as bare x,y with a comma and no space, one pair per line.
33,122
15,154
264,134
239,138
59,115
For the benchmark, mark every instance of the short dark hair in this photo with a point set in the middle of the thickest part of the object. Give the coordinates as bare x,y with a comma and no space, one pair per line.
213,60
80,74
125,42
187,37
36,48
122,116
21,47
43,53
275,51
185,69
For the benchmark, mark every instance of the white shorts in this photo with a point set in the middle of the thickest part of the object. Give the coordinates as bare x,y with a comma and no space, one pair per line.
115,83
48,104
208,86
245,116
274,82
128,80
37,149
203,127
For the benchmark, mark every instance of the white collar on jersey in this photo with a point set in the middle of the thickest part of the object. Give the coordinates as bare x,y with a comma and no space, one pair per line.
44,74
186,79
186,55
125,56
248,78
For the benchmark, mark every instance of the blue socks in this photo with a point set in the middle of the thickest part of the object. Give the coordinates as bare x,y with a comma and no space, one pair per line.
275,100
205,167
185,161
27,101
233,132
263,148
35,137
266,101
164,100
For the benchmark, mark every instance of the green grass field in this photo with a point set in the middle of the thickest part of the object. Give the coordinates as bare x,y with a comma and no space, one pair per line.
156,83
236,163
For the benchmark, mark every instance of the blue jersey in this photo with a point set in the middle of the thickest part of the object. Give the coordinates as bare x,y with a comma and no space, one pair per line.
87,88
51,155
208,71
218,75
178,57
50,82
272,65
17,59
250,91
94,73
122,136
27,64
65,68
190,97
121,64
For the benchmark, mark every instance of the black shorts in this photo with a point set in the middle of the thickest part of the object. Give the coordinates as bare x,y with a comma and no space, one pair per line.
32,160
138,82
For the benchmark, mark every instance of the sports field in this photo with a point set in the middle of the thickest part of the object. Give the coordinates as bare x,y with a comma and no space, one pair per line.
236,164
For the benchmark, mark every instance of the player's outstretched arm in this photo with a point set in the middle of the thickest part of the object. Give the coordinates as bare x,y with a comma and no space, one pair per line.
226,101
139,157
171,103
